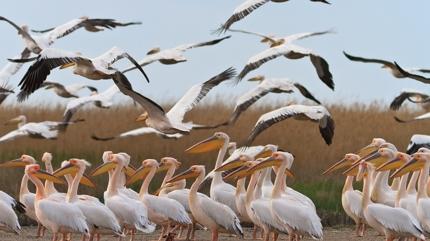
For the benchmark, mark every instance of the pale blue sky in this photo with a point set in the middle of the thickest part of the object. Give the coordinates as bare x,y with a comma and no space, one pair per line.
386,29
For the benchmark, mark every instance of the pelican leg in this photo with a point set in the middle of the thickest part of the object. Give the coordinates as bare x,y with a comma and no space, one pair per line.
133,231
215,235
181,231
193,230
162,233
98,236
54,237
275,236
362,229
254,232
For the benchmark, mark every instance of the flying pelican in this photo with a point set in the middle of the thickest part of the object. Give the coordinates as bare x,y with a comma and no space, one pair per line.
425,116
171,124
274,41
100,218
173,55
131,213
317,114
388,65
410,75
5,91
390,221
246,8
413,96
161,210
36,44
220,191
417,141
67,91
59,216
351,199
45,130
100,100
211,214
98,68
289,51
297,218
266,86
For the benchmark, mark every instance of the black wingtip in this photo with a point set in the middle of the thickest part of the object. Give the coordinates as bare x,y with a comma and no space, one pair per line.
400,120
22,60
22,96
97,138
220,30
19,207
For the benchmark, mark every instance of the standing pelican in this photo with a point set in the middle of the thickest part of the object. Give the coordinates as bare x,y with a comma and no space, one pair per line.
161,210
131,213
246,8
58,216
392,222
211,214
98,68
173,55
99,217
220,191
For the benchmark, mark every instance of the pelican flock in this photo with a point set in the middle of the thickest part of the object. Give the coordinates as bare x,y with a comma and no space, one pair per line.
227,187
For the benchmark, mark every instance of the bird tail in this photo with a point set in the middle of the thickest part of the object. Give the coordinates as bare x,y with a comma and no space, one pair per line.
97,138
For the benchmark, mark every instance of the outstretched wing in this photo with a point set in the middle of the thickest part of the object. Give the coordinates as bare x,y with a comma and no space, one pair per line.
138,132
299,36
202,44
398,101
412,76
263,36
24,34
196,93
367,60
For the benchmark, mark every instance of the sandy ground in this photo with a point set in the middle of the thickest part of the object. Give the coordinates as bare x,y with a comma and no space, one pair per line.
344,233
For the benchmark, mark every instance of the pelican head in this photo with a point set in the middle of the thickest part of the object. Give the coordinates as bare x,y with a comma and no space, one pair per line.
416,163
257,78
24,28
243,171
23,161
267,151
372,147
47,158
143,117
112,161
239,161
168,162
232,146
423,150
20,120
396,162
347,161
73,166
33,170
276,160
193,171
142,172
215,142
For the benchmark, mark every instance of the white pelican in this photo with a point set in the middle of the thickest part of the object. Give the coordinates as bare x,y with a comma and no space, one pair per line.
25,196
416,142
274,41
171,124
297,218
98,68
266,86
172,55
67,91
161,210
412,96
45,130
388,65
36,44
49,186
131,213
100,100
220,191
392,222
425,116
9,219
408,74
58,216
351,199
317,114
289,51
246,8
100,218
213,215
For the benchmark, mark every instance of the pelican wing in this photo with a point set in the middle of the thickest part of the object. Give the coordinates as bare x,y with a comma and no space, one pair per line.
74,105
225,193
167,207
138,132
12,202
12,68
299,36
8,219
201,44
412,76
354,199
241,12
221,214
24,34
314,113
415,97
396,219
98,214
425,116
367,60
257,60
263,36
195,94
64,215
13,135
261,209
48,60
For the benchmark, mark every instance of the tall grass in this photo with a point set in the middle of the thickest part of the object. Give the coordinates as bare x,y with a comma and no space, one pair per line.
356,125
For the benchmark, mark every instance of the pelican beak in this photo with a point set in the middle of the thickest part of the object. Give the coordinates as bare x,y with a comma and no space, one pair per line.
266,152
376,159
68,169
352,170
270,162
162,168
412,165
210,144
140,174
184,175
129,170
105,167
14,163
47,176
338,165
64,66
87,181
228,166
367,150
11,121
390,165
362,171
238,173
141,117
